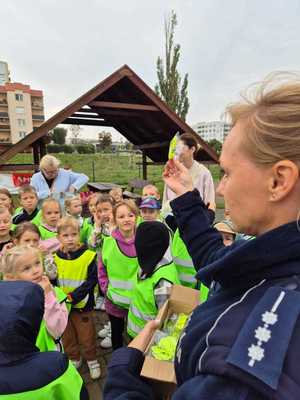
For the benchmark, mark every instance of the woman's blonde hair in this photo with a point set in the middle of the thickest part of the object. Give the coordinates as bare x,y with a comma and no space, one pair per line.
67,222
49,161
270,115
9,259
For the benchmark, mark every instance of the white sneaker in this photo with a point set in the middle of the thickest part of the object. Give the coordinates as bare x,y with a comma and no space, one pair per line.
99,303
95,370
106,331
106,343
77,363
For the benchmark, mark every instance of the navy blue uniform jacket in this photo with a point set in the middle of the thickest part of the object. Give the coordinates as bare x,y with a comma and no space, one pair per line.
244,342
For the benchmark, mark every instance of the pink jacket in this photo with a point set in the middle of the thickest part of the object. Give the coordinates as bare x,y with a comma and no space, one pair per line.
127,248
55,315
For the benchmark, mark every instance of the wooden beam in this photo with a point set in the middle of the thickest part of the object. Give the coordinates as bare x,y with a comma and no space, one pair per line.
81,115
36,155
118,113
78,121
152,163
154,145
123,106
18,167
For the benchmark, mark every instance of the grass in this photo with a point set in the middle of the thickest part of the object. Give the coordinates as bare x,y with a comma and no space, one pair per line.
116,168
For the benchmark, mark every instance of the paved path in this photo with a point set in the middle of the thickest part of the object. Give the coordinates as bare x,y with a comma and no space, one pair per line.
95,388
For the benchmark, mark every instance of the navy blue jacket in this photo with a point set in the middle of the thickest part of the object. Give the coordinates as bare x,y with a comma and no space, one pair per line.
22,366
244,342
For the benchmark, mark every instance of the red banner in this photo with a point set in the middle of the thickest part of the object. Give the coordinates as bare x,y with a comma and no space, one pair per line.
20,179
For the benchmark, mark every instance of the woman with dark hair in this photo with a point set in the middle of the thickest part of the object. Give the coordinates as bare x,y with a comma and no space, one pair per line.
201,176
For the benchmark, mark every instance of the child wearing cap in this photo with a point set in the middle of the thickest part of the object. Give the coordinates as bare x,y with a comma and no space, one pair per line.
150,209
227,231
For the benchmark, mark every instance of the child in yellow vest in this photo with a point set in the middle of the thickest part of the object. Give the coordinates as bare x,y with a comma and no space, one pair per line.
117,268
24,263
156,276
29,206
51,213
77,277
5,229
73,207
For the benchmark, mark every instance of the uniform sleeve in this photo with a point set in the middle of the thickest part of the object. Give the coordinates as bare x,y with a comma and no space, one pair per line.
78,180
123,380
204,243
87,287
211,387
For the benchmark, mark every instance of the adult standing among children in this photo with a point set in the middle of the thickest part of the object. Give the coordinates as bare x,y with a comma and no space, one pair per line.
201,176
51,179
244,342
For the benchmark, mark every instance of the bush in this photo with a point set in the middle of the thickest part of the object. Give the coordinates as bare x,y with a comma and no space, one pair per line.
85,148
60,148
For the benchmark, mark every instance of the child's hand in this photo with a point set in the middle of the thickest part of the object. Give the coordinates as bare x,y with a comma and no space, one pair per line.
7,247
45,284
42,248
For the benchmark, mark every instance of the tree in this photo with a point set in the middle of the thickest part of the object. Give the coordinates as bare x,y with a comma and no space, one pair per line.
105,140
58,135
75,131
169,86
216,145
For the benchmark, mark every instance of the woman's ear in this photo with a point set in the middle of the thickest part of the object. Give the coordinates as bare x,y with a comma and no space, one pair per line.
283,179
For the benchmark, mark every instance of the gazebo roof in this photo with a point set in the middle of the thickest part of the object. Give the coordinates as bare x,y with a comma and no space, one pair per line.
122,101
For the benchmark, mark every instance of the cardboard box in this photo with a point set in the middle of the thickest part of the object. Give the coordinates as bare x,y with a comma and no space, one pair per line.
162,373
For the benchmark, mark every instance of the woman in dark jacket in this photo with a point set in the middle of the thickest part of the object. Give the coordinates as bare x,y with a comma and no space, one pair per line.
244,342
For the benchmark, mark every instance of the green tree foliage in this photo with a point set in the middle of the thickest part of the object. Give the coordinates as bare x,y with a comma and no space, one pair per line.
105,140
58,135
169,86
216,145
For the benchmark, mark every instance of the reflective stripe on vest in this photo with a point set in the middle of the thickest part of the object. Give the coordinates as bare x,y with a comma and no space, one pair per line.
143,306
121,272
183,262
73,273
187,278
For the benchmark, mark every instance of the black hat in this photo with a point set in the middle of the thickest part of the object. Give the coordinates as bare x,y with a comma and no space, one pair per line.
152,240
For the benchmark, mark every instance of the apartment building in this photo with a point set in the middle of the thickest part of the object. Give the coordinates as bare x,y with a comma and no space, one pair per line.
21,110
213,130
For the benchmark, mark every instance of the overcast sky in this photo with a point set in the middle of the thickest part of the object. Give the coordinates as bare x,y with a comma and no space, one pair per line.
65,47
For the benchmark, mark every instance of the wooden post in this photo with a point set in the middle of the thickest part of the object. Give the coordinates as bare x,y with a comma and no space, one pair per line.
144,165
42,149
36,156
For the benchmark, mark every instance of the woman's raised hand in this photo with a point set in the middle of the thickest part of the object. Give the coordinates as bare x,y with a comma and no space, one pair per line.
177,177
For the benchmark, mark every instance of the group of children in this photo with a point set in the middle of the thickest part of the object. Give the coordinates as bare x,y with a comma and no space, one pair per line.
126,257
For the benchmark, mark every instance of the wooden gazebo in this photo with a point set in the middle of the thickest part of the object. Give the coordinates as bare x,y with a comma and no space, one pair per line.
122,101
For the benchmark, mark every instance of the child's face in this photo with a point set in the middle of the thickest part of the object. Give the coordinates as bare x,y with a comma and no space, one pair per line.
104,212
5,223
5,201
228,238
69,239
92,205
150,191
29,238
29,268
125,219
51,214
75,208
149,214
28,201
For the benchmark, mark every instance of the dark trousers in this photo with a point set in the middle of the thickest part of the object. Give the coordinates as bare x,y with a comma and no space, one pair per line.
117,329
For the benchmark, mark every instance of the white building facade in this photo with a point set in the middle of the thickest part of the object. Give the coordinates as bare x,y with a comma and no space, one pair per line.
213,130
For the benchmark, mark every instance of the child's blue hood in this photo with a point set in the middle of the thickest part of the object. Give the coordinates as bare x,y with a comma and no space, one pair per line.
21,313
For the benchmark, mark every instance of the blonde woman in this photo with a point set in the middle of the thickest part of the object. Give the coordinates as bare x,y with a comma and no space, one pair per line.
52,179
244,341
